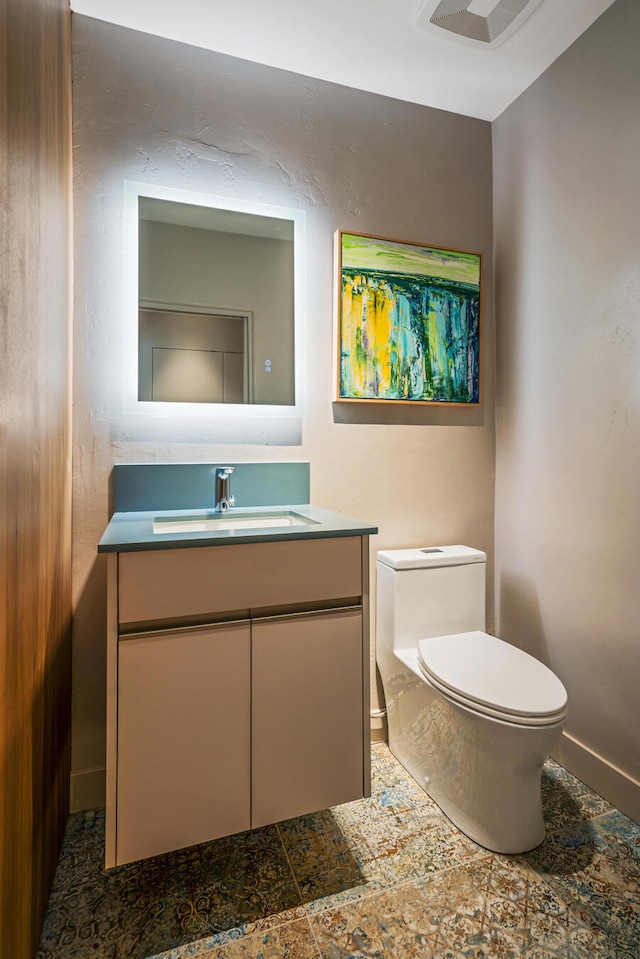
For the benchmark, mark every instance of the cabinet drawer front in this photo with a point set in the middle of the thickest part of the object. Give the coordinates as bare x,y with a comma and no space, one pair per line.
194,582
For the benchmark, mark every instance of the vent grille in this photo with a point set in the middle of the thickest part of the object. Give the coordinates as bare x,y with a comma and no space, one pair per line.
455,16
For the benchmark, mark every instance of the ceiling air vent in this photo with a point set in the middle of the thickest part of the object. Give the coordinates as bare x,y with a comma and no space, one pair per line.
485,23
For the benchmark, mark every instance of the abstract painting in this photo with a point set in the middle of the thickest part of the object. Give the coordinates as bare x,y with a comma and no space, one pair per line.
407,322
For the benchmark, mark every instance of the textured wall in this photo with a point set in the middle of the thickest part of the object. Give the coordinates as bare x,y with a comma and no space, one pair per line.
35,460
149,109
567,223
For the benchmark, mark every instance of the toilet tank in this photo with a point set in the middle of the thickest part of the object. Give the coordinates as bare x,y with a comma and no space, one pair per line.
429,591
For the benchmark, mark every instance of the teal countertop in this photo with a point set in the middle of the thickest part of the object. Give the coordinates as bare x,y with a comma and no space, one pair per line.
130,531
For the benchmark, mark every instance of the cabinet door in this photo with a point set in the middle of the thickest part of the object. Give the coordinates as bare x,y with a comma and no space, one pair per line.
307,713
183,738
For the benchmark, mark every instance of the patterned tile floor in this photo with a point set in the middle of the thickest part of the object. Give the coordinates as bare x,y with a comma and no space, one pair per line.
386,877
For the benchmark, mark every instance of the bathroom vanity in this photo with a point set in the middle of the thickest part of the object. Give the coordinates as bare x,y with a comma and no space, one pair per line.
238,673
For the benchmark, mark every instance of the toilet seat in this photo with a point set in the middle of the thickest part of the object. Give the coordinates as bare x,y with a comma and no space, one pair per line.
492,677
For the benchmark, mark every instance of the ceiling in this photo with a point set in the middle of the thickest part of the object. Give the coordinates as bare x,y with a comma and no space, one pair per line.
372,45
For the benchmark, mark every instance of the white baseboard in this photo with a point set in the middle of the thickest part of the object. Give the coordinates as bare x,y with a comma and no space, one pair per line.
607,780
379,735
378,727
88,789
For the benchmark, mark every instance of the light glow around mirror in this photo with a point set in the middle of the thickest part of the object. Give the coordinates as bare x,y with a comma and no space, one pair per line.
220,210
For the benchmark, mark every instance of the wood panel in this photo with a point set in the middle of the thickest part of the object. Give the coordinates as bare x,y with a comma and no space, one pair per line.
35,537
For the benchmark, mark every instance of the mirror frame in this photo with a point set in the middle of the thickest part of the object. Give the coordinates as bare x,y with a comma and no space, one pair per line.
133,190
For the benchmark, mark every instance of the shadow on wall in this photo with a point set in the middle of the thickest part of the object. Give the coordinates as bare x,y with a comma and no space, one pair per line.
520,620
407,414
175,430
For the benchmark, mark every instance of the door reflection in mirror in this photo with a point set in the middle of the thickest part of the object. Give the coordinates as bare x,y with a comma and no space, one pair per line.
194,357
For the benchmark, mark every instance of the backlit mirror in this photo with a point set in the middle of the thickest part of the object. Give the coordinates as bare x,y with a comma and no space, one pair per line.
214,304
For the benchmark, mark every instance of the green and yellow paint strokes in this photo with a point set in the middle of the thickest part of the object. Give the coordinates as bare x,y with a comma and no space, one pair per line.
409,323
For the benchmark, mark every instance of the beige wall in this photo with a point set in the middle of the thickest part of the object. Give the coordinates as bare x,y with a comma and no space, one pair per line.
567,225
157,111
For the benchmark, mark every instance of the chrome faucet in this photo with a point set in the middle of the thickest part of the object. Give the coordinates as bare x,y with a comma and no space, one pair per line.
224,499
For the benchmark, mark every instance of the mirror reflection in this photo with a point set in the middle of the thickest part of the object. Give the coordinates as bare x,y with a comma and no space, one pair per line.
216,309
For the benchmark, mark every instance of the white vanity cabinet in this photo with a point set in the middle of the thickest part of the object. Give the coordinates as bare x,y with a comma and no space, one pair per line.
237,688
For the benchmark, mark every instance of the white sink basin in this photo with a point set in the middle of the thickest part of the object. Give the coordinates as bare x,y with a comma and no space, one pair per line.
210,522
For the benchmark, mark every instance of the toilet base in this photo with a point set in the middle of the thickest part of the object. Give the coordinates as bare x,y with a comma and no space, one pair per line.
483,773
502,836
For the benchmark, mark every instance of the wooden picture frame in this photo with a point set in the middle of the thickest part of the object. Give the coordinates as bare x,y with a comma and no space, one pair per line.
407,322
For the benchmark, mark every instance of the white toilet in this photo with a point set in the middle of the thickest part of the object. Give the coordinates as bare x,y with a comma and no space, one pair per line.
470,717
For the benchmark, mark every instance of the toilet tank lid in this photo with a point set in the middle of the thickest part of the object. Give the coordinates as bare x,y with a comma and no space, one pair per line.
424,556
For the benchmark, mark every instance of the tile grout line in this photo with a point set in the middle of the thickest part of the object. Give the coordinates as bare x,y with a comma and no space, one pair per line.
580,915
204,945
579,822
302,902
400,884
518,861
533,868
571,909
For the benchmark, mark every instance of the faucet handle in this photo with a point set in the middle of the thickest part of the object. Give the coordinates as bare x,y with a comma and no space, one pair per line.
231,500
224,499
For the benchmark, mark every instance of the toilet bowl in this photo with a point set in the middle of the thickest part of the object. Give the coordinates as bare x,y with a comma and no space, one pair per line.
471,717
